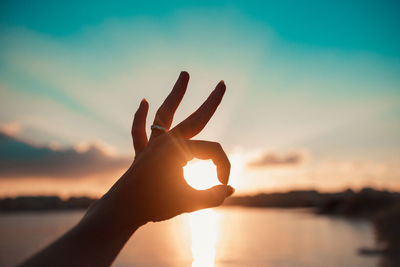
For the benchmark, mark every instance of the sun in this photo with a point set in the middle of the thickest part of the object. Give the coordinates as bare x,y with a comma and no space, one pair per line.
202,174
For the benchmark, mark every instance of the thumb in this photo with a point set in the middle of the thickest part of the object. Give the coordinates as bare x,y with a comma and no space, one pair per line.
212,197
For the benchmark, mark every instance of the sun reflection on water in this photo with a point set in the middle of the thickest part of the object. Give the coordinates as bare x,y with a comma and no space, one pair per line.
204,227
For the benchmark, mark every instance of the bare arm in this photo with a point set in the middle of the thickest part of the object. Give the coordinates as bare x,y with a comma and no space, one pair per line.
152,189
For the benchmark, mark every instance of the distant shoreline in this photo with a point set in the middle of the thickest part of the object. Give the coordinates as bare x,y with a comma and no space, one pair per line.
364,203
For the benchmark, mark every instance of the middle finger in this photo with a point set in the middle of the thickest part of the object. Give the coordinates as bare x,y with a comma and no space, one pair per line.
166,111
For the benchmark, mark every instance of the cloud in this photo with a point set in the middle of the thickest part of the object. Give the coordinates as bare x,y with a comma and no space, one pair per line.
11,128
19,159
271,159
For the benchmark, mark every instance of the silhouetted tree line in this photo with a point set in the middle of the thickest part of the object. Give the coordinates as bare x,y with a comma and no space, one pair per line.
365,203
292,199
38,203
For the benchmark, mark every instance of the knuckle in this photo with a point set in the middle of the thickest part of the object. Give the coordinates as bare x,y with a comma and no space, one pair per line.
164,115
217,145
167,141
228,164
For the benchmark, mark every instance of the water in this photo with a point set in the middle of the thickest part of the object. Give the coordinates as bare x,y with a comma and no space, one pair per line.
228,236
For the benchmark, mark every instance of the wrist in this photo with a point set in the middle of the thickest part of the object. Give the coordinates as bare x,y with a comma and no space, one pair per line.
108,212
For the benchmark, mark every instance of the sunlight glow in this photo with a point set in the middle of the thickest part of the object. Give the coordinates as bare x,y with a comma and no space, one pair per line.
204,227
201,174
237,162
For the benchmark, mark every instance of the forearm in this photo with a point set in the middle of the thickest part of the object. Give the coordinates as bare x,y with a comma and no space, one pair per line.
95,241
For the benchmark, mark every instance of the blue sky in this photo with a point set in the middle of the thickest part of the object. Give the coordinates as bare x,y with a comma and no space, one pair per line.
317,78
356,25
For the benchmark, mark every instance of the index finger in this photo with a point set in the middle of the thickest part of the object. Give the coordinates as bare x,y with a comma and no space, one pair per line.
211,150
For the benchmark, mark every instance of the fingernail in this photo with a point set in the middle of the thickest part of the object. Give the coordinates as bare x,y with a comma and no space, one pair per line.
229,190
183,73
221,87
143,102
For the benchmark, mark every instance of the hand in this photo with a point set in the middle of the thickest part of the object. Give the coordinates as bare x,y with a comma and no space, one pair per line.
154,188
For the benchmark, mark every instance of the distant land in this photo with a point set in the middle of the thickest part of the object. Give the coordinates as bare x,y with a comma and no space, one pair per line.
364,203
44,203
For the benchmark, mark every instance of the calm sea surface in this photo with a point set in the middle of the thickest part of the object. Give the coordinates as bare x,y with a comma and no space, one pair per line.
228,236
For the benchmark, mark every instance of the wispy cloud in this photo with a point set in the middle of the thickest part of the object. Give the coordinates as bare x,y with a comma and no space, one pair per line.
272,159
19,159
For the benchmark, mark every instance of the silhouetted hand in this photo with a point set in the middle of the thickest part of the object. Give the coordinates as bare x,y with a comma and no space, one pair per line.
154,188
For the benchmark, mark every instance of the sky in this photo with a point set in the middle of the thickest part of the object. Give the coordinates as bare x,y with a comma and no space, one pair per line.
312,101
